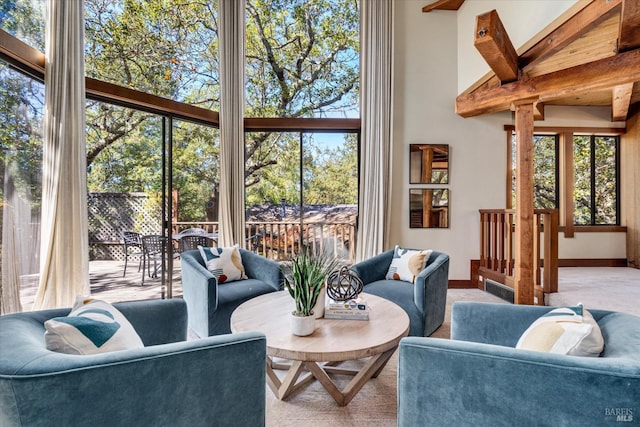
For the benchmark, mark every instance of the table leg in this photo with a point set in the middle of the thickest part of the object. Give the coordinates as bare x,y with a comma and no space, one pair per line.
286,387
342,397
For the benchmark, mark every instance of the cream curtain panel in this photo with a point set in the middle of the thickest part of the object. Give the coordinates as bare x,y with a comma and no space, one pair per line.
64,262
232,224
376,62
10,285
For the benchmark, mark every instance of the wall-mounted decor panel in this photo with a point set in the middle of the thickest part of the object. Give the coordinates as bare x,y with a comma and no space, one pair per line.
429,164
429,208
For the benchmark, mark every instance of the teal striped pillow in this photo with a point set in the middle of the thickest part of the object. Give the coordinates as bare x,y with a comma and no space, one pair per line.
93,326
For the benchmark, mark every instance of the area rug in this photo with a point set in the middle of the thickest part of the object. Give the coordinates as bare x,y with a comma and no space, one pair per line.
374,405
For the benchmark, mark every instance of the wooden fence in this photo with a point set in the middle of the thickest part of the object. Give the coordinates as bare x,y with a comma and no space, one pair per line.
112,213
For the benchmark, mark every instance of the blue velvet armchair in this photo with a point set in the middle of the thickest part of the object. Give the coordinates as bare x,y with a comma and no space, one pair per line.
210,304
424,301
217,381
479,378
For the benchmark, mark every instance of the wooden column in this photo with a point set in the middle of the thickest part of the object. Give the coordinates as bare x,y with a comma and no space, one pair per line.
630,167
523,286
427,164
427,207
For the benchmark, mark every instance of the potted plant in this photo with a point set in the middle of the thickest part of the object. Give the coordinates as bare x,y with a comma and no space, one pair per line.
305,280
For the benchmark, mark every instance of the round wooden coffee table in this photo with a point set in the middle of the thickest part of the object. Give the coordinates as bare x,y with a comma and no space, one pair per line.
332,342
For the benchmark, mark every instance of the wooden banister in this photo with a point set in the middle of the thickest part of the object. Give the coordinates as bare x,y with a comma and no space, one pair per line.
497,257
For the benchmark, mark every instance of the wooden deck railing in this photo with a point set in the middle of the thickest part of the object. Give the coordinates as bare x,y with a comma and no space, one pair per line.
497,257
280,240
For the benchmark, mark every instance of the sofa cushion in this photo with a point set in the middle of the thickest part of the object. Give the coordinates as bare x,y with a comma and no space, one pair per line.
93,326
224,263
407,264
564,330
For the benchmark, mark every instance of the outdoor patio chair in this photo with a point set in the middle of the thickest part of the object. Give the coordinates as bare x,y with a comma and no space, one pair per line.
155,248
191,242
132,248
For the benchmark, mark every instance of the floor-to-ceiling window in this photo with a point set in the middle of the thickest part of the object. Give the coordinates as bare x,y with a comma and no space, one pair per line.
21,110
163,157
302,62
21,113
164,173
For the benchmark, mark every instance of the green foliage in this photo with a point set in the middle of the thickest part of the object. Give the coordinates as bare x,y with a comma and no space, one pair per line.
595,177
332,177
24,19
196,168
544,171
302,61
595,189
305,278
21,109
21,137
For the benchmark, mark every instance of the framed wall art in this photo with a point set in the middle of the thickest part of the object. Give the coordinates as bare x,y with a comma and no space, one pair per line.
429,208
429,164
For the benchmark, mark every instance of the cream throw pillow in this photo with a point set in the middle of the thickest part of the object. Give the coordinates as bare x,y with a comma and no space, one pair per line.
93,326
407,264
565,330
224,263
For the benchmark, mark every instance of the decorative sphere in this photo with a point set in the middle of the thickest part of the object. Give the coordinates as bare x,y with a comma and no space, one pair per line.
344,284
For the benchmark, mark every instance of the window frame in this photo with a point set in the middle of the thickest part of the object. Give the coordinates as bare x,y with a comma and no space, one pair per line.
565,178
592,179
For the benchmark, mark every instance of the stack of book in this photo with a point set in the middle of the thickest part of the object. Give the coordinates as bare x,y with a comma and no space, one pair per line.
354,309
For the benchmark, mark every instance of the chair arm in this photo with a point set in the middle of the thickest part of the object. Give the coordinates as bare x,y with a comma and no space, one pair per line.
374,268
200,291
157,321
262,268
430,290
212,381
492,323
448,382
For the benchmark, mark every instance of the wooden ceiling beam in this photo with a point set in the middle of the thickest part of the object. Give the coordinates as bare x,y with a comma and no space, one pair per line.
443,5
493,43
585,20
597,75
538,111
629,33
621,100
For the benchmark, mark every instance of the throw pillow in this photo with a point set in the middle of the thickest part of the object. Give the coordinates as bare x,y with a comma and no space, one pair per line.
565,330
93,326
407,264
224,263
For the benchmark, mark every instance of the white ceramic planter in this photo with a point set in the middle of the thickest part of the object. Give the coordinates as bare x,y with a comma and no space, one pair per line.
302,325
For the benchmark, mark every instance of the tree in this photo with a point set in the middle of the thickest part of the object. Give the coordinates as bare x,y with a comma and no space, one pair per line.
302,61
22,107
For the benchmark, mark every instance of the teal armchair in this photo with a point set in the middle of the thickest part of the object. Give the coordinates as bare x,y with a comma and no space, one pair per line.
479,378
424,301
210,304
216,381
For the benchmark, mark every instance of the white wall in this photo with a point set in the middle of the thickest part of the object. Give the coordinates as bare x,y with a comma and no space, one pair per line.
426,65
522,19
424,112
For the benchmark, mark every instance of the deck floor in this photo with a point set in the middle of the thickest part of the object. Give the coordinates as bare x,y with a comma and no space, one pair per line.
107,283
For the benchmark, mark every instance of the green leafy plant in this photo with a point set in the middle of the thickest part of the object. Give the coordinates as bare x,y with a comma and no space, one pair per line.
305,278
